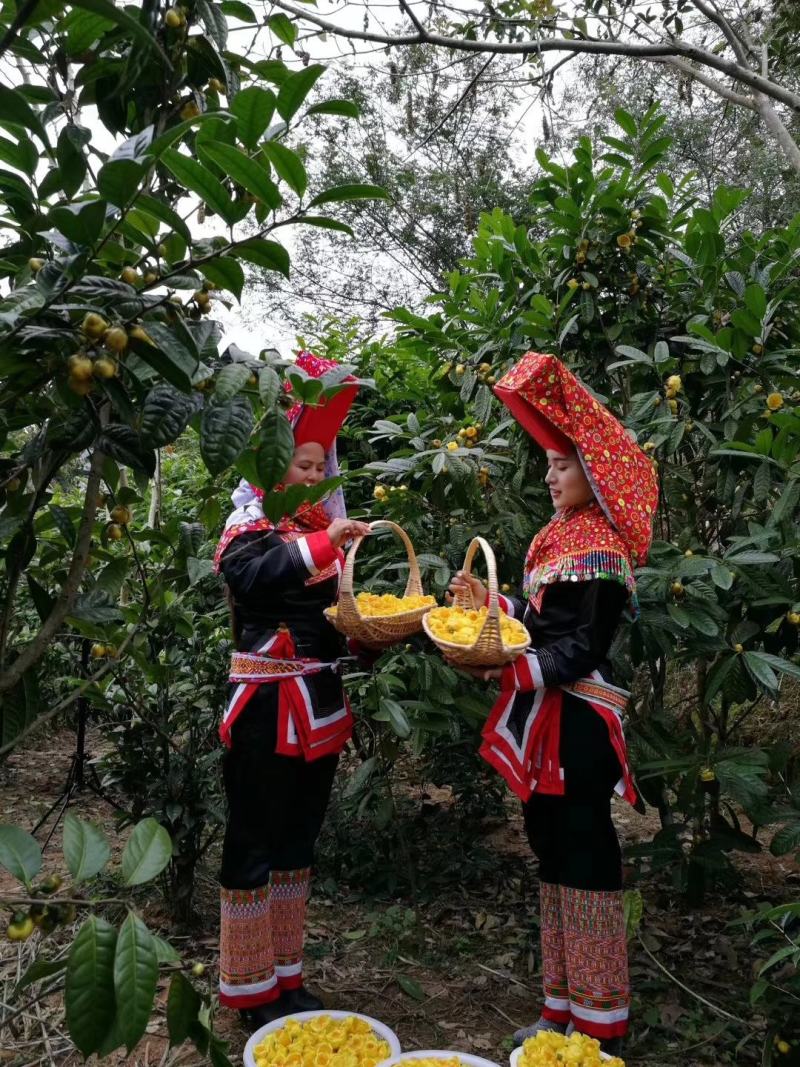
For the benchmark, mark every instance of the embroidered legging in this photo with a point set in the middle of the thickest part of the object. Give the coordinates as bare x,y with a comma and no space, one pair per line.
276,805
584,951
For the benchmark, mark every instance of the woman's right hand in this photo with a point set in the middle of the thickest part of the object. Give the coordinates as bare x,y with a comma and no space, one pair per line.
342,530
461,582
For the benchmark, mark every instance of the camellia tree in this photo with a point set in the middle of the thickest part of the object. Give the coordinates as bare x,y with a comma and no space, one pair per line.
146,164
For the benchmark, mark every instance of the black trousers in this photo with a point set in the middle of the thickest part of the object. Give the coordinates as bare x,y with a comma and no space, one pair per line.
572,835
276,804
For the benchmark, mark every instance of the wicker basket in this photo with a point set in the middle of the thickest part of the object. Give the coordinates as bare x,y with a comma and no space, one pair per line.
488,650
378,629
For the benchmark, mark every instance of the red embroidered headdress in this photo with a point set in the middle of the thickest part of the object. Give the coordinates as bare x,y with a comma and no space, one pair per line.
560,414
319,423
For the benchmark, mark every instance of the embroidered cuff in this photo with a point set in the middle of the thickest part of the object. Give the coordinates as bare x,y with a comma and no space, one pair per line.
548,667
317,551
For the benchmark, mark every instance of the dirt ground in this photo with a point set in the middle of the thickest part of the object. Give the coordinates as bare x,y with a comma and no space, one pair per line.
453,970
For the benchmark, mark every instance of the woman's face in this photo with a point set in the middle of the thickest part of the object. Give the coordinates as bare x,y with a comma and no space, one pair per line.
568,484
307,466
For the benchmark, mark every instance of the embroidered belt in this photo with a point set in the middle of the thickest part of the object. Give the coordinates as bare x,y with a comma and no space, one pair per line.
252,668
610,695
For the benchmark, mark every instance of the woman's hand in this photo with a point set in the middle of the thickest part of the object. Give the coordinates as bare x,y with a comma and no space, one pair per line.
342,530
460,582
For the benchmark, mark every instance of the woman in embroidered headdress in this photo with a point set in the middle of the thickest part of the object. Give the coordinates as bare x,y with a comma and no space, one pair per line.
288,717
555,733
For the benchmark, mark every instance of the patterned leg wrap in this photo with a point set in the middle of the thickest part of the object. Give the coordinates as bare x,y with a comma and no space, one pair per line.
596,951
246,960
288,901
554,964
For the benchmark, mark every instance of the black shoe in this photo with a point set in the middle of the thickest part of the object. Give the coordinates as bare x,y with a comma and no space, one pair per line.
294,1000
254,1018
612,1046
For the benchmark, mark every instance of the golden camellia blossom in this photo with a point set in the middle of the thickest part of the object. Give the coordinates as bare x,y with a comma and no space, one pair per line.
462,627
322,1042
625,240
373,604
549,1049
774,401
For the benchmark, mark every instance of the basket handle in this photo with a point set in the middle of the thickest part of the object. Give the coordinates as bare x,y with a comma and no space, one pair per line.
348,610
465,599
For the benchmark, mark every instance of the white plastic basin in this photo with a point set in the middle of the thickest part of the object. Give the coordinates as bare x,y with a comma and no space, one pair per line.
380,1029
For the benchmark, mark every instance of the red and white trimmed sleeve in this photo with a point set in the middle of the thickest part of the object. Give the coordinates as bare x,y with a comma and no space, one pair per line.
316,551
523,675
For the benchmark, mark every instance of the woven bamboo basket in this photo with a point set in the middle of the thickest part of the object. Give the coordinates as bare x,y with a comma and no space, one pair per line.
488,649
378,629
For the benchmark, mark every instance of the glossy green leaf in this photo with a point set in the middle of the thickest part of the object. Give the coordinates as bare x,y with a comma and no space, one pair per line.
86,851
199,180
267,254
170,356
324,223
135,979
348,108
15,109
295,89
246,171
224,432
119,179
183,1005
89,994
80,223
231,380
126,22
287,164
20,853
283,28
339,193
225,272
160,210
269,386
147,853
253,108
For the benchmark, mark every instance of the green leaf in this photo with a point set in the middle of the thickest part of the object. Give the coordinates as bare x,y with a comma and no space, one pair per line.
244,170
784,666
296,88
283,28
86,850
176,132
183,1006
38,971
348,108
22,156
15,109
267,254
89,994
165,415
396,717
135,979
157,209
201,182
722,577
80,223
273,453
411,987
224,432
71,160
147,852
324,223
120,17
786,839
230,381
253,108
164,951
633,908
338,193
170,358
717,675
214,21
761,671
119,179
226,273
19,853
288,165
624,119
237,10
269,386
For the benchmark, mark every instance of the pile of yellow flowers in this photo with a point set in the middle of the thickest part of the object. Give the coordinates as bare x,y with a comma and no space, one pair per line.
549,1049
462,627
322,1042
371,605
431,1061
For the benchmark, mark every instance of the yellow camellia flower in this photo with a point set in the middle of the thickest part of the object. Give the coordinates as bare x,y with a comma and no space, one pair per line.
674,383
625,240
371,605
452,446
774,401
573,283
550,1049
322,1042
461,626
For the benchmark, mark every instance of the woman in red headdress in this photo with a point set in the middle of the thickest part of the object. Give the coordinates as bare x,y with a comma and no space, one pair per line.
288,717
555,734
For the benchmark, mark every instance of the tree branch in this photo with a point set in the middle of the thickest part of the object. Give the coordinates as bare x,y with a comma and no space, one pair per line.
715,16
34,651
710,83
590,46
407,8
21,17
451,110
